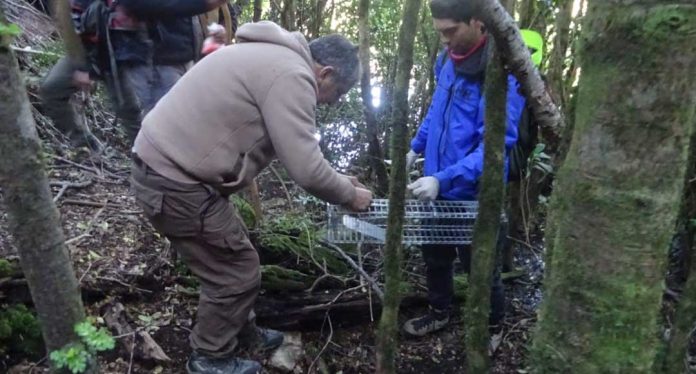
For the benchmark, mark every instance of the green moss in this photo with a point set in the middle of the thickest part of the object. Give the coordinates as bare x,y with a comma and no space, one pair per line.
20,332
6,268
246,211
278,278
296,236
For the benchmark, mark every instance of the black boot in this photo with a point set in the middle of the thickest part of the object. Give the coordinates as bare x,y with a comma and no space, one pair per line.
261,339
200,364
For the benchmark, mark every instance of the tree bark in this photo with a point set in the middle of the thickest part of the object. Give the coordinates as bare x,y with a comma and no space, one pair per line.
683,325
491,192
558,55
288,15
258,8
388,326
618,192
73,45
374,147
33,218
516,56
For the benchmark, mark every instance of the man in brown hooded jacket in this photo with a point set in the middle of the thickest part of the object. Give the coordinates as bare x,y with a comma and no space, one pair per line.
218,127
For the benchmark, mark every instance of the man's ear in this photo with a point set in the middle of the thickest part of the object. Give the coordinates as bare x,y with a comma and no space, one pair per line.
326,71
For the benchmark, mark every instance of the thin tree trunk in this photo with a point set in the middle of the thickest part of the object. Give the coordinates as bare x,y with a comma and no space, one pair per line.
374,147
686,308
288,15
258,8
318,18
491,192
33,218
388,325
558,55
616,203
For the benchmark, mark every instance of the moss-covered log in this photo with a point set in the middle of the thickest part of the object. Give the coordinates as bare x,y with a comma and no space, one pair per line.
278,278
619,190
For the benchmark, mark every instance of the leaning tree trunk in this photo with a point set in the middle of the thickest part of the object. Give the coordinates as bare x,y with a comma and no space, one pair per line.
374,147
558,54
619,189
491,192
33,218
388,324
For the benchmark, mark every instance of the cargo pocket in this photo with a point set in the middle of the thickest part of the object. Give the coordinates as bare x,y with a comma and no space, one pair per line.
149,199
222,226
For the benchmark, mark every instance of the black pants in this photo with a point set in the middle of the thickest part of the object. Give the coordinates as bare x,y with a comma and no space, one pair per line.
439,264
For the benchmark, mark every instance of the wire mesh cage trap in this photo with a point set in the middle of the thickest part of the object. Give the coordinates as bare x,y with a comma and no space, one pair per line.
435,222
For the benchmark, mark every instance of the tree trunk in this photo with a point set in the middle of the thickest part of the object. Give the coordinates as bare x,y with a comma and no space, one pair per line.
619,189
258,8
374,147
491,192
33,218
558,55
288,15
318,18
686,308
388,326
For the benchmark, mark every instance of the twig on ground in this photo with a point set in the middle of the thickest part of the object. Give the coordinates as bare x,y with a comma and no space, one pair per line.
97,205
328,341
355,266
65,185
90,224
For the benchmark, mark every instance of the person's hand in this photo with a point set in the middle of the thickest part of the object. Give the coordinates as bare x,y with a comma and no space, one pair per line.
81,80
425,188
355,182
411,158
361,201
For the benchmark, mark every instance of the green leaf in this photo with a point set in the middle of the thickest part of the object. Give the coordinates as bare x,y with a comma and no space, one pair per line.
9,30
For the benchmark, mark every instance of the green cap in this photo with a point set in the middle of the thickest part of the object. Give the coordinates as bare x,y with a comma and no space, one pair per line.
535,43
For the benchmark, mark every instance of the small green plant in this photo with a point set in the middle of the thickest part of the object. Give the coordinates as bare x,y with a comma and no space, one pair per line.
540,160
20,333
77,356
7,33
6,268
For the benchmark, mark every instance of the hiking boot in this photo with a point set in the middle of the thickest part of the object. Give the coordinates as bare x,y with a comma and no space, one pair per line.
200,364
262,339
434,320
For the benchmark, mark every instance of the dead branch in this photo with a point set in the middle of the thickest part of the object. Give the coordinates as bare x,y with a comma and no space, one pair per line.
355,266
64,185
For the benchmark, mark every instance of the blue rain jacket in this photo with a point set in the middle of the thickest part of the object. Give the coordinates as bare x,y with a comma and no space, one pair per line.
451,135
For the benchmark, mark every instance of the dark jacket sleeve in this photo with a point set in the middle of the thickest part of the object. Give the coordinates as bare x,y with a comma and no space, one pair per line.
164,8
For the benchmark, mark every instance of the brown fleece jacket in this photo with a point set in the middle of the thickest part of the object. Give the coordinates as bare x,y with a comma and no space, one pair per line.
238,109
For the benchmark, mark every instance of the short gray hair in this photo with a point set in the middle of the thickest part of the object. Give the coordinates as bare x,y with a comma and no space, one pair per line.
338,52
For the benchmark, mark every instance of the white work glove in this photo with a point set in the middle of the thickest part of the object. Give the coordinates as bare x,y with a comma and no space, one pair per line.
425,188
411,159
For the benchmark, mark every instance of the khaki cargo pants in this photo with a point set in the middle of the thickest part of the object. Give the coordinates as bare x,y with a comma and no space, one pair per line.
210,237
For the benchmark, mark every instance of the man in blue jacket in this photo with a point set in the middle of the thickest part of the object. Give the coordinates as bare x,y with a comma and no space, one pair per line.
451,139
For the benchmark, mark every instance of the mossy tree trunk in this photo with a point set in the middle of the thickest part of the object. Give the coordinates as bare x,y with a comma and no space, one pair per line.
374,147
686,308
388,325
33,218
491,192
619,190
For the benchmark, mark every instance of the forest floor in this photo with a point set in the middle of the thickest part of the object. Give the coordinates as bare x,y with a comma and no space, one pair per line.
121,261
